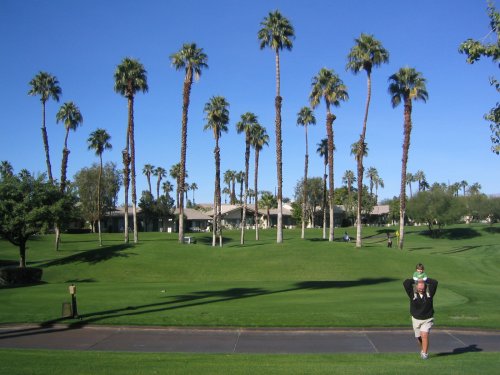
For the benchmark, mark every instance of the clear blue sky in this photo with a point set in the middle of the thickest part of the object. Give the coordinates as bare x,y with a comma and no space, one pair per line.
82,42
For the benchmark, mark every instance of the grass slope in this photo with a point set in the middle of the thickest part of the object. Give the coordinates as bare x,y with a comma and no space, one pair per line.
300,283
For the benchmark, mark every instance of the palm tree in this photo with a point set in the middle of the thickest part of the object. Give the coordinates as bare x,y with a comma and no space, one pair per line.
463,185
258,139
226,191
167,187
305,117
245,125
410,178
217,116
379,182
70,115
99,141
229,177
277,33
147,171
348,179
159,173
405,86
6,169
322,150
130,77
192,60
475,188
268,200
193,187
420,177
328,86
366,54
372,175
175,173
47,86
240,179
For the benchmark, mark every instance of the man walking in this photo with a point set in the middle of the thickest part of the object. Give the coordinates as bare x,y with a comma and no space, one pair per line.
422,310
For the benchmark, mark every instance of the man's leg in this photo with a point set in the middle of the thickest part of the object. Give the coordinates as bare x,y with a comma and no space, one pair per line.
425,341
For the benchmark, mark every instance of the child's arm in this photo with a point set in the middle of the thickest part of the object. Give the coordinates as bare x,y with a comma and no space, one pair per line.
424,276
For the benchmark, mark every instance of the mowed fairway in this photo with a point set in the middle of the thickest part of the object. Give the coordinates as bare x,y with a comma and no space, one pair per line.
300,283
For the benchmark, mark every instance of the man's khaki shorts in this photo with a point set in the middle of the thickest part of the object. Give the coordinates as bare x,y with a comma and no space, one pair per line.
422,325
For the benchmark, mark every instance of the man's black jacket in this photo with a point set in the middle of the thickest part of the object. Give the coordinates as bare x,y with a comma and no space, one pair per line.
422,307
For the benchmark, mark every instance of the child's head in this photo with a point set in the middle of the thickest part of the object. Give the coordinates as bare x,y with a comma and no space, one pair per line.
420,268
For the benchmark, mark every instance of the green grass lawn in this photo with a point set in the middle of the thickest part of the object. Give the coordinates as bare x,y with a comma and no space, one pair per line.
300,283
78,363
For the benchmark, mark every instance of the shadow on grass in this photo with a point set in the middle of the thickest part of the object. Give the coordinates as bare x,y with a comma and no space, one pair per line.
453,233
467,349
492,230
93,256
207,240
199,298
8,263
73,281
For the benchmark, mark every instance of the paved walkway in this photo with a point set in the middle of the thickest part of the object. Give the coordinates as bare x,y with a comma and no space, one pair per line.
140,339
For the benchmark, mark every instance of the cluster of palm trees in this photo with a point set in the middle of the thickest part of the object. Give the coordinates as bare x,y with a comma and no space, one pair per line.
405,86
47,87
160,173
277,33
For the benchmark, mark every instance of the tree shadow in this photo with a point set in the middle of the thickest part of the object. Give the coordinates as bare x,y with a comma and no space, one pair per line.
207,240
8,263
419,248
74,281
92,257
198,298
492,230
453,233
467,349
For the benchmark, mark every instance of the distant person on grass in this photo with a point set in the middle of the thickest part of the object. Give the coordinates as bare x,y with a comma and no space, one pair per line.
422,310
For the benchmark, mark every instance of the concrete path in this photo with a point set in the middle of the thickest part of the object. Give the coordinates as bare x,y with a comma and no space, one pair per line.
140,339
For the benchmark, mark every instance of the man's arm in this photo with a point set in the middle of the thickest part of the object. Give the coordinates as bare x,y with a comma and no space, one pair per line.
432,284
408,285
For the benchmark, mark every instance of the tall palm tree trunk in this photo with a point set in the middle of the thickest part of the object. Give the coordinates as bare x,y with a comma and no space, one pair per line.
406,147
255,183
279,163
132,166
324,201
330,118
245,193
64,167
126,180
217,193
361,152
214,220
148,176
99,200
304,196
64,162
188,80
46,144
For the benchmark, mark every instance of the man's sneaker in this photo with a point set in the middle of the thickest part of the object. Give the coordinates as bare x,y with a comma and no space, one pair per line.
424,355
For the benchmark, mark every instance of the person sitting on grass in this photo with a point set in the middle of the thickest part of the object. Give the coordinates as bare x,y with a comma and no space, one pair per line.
346,237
